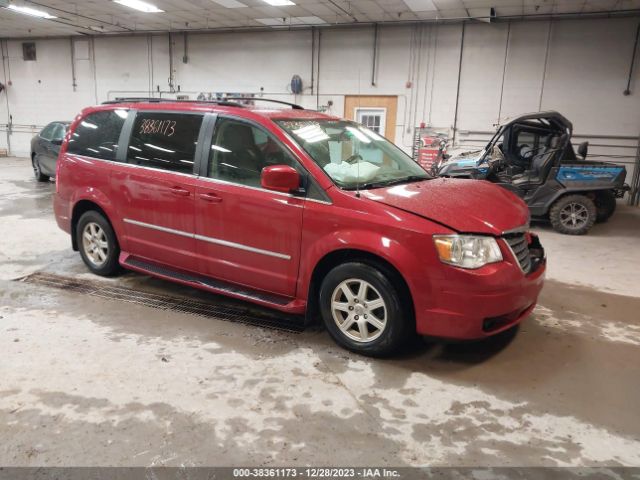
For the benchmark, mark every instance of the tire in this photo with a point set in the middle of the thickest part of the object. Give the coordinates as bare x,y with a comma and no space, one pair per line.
393,318
573,214
37,172
605,205
98,244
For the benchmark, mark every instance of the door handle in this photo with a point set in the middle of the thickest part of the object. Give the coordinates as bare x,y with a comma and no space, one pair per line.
181,192
210,197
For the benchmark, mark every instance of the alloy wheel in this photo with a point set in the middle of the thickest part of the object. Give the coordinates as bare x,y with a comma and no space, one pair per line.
95,244
359,310
574,215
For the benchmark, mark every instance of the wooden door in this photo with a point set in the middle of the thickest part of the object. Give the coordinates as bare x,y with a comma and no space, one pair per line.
378,112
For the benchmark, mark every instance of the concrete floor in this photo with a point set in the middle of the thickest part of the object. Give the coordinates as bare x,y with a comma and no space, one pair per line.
90,381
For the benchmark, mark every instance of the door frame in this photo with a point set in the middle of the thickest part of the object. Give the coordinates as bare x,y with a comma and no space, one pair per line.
390,102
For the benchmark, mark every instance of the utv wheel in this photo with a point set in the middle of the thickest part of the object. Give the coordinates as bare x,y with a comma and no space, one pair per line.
605,205
573,214
363,310
97,243
37,172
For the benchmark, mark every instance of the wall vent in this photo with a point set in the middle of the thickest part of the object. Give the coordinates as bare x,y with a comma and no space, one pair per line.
29,51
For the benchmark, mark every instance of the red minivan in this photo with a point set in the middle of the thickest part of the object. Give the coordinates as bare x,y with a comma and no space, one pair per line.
298,211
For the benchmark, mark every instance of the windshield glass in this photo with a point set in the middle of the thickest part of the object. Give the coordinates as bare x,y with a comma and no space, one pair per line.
352,155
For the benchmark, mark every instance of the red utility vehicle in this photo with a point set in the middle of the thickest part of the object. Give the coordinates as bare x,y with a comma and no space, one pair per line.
298,211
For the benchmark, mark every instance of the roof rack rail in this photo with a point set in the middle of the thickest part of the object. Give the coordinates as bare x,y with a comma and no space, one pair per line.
168,100
261,99
227,101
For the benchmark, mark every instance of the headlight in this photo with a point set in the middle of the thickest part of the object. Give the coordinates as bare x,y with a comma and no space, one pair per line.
467,251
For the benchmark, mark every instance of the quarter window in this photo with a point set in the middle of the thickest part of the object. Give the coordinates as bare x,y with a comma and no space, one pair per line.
165,140
97,134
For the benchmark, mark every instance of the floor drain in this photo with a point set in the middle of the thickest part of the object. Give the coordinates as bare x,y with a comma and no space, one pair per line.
164,302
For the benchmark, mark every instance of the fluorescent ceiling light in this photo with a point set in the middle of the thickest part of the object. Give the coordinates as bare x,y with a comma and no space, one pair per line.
230,3
139,5
279,3
420,5
30,11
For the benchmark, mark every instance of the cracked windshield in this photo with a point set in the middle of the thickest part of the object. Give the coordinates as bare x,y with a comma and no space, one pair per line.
352,155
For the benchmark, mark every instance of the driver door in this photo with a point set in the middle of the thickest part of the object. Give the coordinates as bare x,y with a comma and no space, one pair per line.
246,234
52,149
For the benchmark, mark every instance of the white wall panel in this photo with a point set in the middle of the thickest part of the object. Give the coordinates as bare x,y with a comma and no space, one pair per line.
525,68
586,72
122,65
447,58
481,77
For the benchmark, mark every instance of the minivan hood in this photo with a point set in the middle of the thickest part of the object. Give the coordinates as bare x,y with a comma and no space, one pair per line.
472,206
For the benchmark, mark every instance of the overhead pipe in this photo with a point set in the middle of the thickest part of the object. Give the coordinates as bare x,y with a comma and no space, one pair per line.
7,78
313,56
546,64
375,55
633,61
318,82
455,117
171,77
504,70
74,83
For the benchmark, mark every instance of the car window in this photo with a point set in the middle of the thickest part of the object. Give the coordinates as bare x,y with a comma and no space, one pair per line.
165,140
47,132
239,152
97,135
58,132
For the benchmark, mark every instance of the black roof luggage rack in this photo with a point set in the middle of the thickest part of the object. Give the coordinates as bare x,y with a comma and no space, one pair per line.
167,100
226,102
260,99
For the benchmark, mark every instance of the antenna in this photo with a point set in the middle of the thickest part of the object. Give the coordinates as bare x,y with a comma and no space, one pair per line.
356,119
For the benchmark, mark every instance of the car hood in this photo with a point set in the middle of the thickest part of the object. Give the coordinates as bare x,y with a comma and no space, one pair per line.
471,206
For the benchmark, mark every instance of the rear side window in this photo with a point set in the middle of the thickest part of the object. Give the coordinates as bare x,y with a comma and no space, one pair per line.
97,134
165,140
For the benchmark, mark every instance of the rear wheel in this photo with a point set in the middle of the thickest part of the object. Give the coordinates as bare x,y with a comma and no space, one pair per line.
363,310
573,214
98,244
605,205
37,172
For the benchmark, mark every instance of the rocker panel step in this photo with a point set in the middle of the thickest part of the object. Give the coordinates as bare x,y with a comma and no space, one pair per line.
217,285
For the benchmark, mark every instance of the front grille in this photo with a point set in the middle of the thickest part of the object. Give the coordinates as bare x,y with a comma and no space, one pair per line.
520,247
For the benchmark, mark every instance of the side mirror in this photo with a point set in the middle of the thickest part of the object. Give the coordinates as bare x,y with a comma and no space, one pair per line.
583,148
280,178
56,141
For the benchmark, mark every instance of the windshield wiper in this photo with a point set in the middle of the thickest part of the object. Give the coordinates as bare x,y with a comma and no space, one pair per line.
386,183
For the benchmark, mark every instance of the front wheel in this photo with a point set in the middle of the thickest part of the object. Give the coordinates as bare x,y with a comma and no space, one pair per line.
573,214
98,244
363,310
37,171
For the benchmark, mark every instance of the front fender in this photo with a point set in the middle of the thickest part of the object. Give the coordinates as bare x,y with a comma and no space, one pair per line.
399,254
